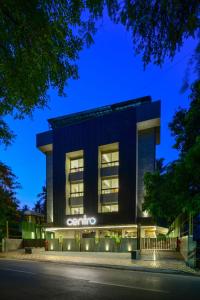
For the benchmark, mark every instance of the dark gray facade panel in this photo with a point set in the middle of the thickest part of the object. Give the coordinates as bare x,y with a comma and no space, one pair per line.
49,186
78,176
109,171
88,136
148,111
44,138
76,201
109,198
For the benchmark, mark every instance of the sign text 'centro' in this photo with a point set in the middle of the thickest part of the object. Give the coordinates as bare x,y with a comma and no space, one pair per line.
81,221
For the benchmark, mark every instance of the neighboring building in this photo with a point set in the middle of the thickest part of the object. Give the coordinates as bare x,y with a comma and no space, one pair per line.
186,227
33,225
95,163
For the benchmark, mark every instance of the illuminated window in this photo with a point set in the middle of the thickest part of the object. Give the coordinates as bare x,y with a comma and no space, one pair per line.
76,165
76,189
77,210
110,159
109,185
110,208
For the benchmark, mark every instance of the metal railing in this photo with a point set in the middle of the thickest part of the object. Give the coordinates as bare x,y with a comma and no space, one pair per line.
109,191
159,244
76,194
109,164
75,170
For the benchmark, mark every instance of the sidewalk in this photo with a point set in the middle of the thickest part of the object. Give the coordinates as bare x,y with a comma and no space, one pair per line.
154,261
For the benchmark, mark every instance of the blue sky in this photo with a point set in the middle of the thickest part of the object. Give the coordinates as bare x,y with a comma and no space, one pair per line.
109,72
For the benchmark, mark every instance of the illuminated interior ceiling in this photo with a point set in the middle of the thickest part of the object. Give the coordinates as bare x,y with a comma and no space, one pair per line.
130,226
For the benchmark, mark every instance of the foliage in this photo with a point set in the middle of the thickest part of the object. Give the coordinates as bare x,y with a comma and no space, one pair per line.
8,203
160,192
41,41
40,205
158,28
185,125
25,208
175,188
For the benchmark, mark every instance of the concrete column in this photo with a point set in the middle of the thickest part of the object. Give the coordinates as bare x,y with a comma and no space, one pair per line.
145,162
49,185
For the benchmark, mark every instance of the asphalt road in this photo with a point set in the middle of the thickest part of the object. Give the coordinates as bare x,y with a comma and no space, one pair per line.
36,280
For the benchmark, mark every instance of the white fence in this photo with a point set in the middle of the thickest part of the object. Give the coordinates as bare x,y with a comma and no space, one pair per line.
159,244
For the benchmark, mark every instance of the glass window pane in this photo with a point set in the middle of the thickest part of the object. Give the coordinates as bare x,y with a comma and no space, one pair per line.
76,210
110,208
74,163
74,188
77,187
106,184
114,207
80,187
106,157
115,183
80,162
115,156
106,208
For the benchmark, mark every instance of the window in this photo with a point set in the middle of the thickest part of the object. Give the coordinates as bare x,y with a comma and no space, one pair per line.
76,165
76,189
109,186
77,210
110,159
110,208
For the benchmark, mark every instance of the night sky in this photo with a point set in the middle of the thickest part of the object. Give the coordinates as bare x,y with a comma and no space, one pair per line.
109,72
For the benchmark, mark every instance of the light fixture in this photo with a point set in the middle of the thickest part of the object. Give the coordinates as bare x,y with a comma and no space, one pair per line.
107,247
145,214
129,248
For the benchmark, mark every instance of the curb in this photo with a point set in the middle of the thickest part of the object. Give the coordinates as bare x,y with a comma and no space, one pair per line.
107,266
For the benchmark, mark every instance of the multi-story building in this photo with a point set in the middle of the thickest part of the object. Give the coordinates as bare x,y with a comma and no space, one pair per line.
95,163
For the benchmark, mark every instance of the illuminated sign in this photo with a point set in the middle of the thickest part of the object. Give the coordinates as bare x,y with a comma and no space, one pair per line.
81,221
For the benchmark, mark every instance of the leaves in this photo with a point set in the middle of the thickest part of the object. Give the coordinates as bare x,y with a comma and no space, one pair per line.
40,204
176,187
185,125
40,42
8,203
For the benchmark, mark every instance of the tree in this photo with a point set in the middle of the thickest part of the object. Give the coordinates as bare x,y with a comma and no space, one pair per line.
41,40
176,188
185,126
25,208
158,28
9,205
160,188
40,205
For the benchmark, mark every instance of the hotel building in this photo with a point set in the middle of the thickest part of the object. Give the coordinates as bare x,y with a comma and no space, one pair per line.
95,164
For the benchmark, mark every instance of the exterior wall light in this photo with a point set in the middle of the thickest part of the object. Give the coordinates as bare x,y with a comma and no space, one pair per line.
69,247
107,247
87,247
145,214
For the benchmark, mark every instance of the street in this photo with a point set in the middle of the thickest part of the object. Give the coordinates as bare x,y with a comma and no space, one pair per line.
37,280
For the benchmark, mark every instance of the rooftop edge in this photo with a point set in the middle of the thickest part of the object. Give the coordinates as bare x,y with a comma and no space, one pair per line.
96,112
